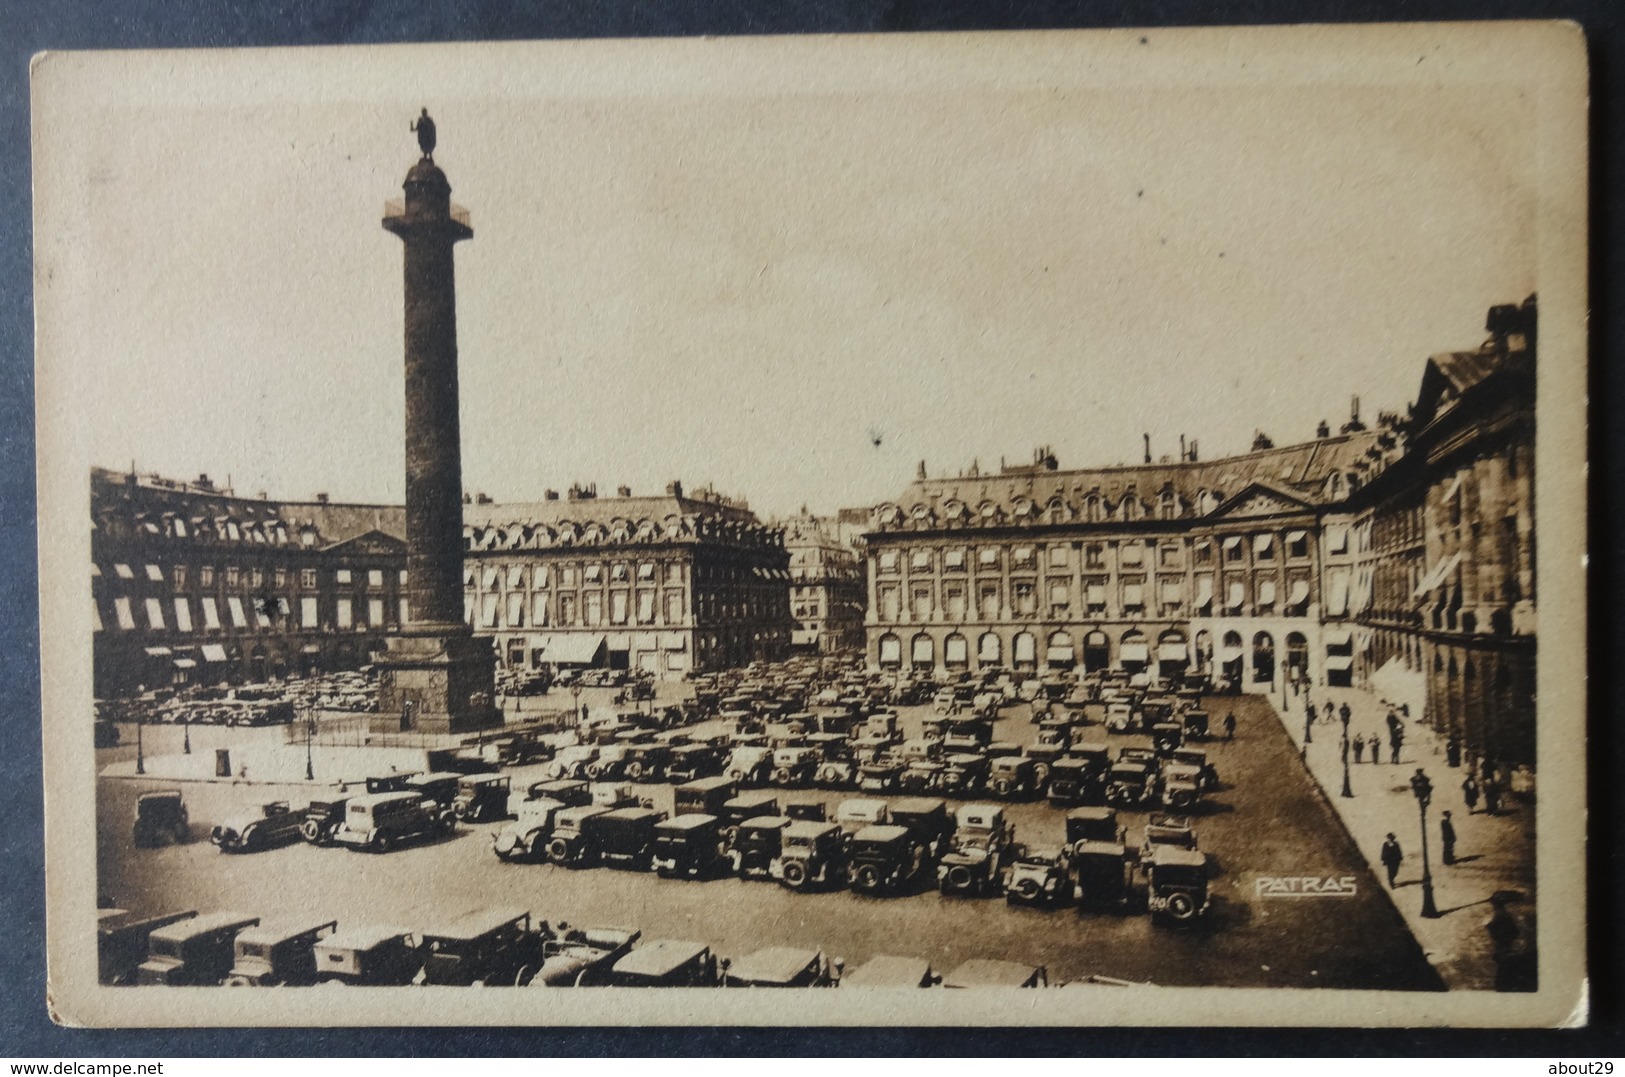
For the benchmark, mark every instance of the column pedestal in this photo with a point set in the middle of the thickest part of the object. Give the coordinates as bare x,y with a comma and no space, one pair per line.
436,679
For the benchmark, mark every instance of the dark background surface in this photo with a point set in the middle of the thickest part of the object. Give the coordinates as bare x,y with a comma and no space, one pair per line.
27,26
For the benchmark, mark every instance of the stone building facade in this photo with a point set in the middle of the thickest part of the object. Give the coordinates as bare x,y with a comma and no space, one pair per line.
827,594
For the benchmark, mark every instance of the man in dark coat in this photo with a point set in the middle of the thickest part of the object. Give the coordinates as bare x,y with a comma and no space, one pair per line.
1469,793
1230,725
1396,740
1447,838
1392,856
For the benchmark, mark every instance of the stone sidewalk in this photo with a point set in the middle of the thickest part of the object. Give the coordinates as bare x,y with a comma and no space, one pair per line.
1492,852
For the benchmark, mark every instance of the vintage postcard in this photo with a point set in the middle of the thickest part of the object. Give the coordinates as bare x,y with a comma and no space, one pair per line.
1028,528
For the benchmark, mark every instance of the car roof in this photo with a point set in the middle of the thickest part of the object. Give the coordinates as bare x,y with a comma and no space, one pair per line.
809,828
271,932
881,833
368,800
1098,848
988,972
434,776
887,970
202,924
865,805
482,779
773,964
977,814
585,811
634,814
478,922
687,821
917,805
1172,856
767,822
361,936
660,956
755,796
715,782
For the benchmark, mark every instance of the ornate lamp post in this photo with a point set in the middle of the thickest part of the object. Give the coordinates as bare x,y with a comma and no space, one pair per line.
1424,793
1348,790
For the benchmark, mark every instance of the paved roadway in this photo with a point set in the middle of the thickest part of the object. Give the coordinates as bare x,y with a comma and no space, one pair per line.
1266,819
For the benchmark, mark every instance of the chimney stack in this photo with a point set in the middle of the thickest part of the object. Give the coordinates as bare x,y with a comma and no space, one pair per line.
1147,448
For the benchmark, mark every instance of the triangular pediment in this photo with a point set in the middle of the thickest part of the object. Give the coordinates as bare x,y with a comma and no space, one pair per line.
370,542
1261,499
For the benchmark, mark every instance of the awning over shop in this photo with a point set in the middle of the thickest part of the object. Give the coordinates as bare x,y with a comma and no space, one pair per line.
1173,652
1337,602
1204,593
1339,661
185,663
1296,536
803,637
1336,636
1058,654
891,649
1234,597
1230,653
1261,543
1436,575
159,652
1300,593
213,652
571,648
1135,652
310,648
1232,541
1266,592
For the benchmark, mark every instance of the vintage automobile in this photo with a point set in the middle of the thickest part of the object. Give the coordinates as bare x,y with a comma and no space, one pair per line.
689,845
704,795
986,972
934,727
757,845
788,732
1054,739
795,766
1131,783
689,762
883,859
123,941
974,860
390,783
369,955
859,812
886,970
322,820
1074,779
481,797
573,842
1176,884
927,820
269,825
625,837
1166,736
1208,774
1012,776
490,947
378,822
610,764
746,806
526,837
280,953
749,765
1181,785
835,764
1038,876
195,952
1195,723
1092,824
811,853
569,792
666,963
963,774
879,772
615,795
782,966
580,957
967,735
1161,829
439,786
1122,716
880,730
1102,873
806,809
646,762
160,817
571,762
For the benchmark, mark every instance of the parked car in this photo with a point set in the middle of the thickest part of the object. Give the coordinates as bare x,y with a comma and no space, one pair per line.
1161,829
1207,773
369,955
688,762
481,797
986,972
1012,776
582,957
1102,873
439,786
804,808
795,766
573,842
927,820
322,820
526,837
704,795
160,817
568,791
264,827
281,953
195,952
976,854
667,963
859,812
886,970
1092,824
746,806
963,774
879,772
689,845
811,853
610,764
570,762
1176,884
1167,736
1194,723
967,734
1130,783
1038,876
757,845
646,762
1123,716
490,947
625,837
379,822
749,765
882,859
782,966
123,942
1180,785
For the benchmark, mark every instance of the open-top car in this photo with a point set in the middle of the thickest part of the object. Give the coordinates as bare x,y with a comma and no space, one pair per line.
887,970
987,972
265,827
277,953
667,963
160,817
782,966
369,955
481,797
489,947
581,957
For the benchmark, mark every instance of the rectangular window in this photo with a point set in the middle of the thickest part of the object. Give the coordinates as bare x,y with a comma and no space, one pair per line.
344,614
516,577
617,607
1337,538
234,577
178,574
1266,594
375,612
1060,595
1171,595
1264,547
592,609
155,613
155,574
988,557
1094,556
308,614
889,607
1133,596
516,609
919,560
121,610
307,579
403,611
342,576
539,577
1232,548
256,578
1095,595
539,611
1204,552
211,613
183,614
988,601
593,574
887,561
1021,596
618,573
1057,557
234,606
489,577
567,610
922,603
123,572
1168,556
674,607
954,560
403,577
953,601
1023,557
646,571
567,575
646,607
375,578
1297,544
488,611
1133,553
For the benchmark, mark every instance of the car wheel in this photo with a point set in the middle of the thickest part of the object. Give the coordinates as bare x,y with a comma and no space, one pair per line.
1040,775
868,877
736,776
558,850
634,771
311,831
382,843
593,771
795,874
1181,906
1002,787
1026,890
782,776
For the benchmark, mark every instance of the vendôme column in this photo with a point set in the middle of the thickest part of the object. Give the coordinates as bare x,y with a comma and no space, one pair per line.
436,676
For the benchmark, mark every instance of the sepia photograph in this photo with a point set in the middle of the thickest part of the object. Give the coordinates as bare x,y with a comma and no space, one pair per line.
1063,515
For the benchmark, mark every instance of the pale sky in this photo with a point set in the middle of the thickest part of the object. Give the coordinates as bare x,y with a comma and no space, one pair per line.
752,288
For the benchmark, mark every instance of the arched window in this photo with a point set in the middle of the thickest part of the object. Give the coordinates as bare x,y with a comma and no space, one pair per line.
922,652
891,651
1264,658
1025,651
1097,653
989,651
956,652
1133,652
1060,655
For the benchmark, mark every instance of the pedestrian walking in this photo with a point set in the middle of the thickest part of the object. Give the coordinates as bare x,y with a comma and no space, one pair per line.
1230,725
1344,713
1447,838
1396,740
1469,793
1392,857
1452,751
1328,710
1359,747
1492,795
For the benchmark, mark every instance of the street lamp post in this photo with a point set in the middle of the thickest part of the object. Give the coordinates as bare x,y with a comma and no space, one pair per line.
140,748
1348,790
310,729
1308,720
575,694
1424,793
186,731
